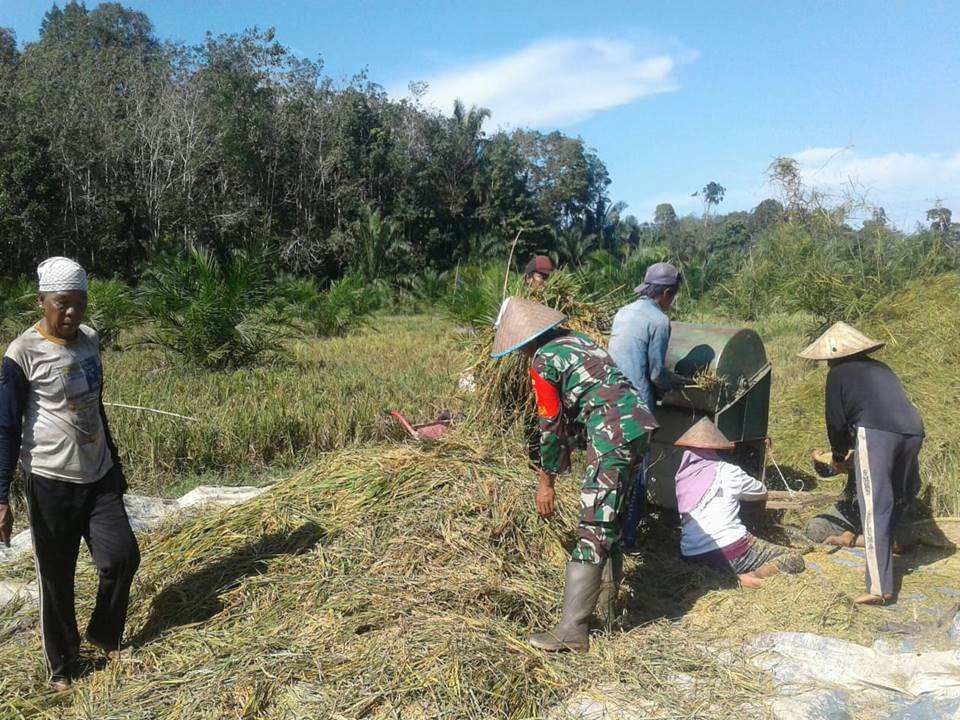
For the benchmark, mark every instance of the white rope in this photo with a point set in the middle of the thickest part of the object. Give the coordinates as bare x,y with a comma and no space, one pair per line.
783,478
146,409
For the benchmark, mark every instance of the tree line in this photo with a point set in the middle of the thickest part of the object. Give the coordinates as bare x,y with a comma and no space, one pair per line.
117,147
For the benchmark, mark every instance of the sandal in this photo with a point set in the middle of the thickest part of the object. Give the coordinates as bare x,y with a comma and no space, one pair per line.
870,599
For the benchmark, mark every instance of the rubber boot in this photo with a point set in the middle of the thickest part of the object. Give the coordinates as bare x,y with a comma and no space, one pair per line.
579,599
609,589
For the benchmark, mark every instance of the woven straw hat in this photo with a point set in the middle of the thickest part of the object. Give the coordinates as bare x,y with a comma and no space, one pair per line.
840,341
521,321
706,436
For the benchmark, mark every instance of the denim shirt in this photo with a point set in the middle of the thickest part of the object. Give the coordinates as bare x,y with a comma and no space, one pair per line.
638,345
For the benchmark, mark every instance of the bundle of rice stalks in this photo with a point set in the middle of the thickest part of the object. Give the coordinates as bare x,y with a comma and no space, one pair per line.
503,386
401,582
708,380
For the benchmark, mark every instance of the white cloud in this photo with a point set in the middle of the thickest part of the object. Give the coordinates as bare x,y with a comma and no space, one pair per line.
556,82
905,184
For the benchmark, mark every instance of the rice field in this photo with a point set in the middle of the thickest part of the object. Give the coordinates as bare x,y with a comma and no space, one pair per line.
254,424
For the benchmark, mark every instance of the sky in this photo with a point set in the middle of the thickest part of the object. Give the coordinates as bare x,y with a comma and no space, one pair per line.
864,95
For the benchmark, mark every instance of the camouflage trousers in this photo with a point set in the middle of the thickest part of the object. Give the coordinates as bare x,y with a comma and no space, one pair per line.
604,498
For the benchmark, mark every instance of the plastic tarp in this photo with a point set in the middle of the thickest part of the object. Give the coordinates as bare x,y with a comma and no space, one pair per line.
821,678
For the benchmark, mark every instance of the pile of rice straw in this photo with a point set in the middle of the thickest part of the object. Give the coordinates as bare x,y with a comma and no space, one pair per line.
503,386
401,581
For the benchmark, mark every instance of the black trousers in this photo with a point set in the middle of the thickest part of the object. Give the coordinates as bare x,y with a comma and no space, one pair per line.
887,469
60,514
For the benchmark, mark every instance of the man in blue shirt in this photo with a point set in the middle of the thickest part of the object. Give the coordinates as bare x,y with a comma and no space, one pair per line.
641,333
638,345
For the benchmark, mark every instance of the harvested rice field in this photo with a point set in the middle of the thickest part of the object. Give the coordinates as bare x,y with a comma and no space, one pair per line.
400,580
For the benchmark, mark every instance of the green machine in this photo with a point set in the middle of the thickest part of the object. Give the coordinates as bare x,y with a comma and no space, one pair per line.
734,392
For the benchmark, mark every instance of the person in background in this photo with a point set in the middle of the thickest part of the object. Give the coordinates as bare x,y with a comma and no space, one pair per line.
538,270
709,493
52,418
638,345
576,381
867,411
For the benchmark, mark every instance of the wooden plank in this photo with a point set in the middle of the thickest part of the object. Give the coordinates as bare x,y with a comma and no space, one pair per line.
783,500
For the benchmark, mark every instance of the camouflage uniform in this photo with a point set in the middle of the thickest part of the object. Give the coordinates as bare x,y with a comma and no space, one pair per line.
577,382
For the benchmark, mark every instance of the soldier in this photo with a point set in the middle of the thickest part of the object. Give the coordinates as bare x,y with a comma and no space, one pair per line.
576,382
868,412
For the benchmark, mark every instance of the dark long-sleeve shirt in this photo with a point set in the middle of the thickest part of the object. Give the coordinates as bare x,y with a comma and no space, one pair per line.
863,392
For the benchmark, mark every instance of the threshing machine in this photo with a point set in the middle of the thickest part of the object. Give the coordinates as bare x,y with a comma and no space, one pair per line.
735,394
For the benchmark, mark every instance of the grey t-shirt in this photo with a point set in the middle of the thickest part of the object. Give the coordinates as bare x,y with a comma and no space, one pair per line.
63,435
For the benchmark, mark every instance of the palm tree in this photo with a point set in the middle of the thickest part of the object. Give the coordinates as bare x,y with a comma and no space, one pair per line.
574,245
376,240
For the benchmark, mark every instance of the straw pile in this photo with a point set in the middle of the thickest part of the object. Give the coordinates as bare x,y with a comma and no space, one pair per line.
390,582
400,582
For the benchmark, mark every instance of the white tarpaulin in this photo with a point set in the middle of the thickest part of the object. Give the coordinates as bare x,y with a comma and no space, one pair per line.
821,678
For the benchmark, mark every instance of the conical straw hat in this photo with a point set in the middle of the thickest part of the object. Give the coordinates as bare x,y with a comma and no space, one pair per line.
706,436
519,322
840,341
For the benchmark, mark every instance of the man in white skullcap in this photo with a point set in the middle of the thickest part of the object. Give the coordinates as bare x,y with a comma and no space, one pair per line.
52,420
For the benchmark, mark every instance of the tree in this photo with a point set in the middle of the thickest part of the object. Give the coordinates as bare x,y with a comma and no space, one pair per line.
115,146
376,241
940,218
574,245
664,216
75,89
769,213
711,195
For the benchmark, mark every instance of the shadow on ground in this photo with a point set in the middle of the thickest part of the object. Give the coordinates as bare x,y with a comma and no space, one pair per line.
196,597
658,584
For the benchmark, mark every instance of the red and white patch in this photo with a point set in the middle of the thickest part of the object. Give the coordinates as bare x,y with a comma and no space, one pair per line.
548,397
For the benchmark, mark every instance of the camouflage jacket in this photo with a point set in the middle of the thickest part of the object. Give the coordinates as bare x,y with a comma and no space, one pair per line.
576,381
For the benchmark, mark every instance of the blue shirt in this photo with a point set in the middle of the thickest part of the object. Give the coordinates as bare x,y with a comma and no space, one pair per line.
638,345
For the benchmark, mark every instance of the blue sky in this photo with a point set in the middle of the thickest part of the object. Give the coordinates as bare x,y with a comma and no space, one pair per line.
671,95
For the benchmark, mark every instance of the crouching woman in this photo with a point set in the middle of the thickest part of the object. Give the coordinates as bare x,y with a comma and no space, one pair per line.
709,493
577,384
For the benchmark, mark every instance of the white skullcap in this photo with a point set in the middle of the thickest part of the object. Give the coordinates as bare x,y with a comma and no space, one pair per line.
60,274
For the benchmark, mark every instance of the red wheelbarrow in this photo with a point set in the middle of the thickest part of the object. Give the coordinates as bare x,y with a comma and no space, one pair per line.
425,431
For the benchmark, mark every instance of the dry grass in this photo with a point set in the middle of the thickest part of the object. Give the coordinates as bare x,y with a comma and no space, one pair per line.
503,386
387,582
399,581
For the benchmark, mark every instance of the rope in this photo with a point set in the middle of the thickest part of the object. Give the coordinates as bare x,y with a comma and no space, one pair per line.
146,409
782,477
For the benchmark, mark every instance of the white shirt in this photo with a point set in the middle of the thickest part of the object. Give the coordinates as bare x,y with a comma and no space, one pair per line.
715,522
63,437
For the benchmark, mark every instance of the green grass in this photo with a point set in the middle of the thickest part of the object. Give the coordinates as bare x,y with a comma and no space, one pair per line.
255,423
